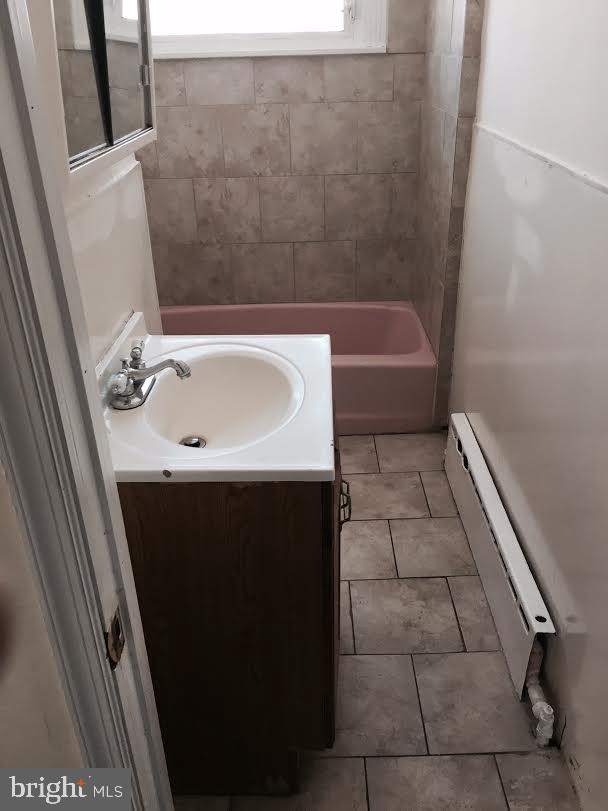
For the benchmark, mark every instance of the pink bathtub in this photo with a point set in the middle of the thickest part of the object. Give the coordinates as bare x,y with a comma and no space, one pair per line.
383,364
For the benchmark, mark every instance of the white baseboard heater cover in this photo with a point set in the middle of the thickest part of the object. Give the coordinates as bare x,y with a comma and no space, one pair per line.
517,606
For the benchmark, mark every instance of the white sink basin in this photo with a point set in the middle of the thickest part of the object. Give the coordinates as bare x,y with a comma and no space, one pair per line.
262,405
236,395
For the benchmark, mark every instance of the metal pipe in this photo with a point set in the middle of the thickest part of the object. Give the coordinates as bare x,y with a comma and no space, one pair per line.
541,709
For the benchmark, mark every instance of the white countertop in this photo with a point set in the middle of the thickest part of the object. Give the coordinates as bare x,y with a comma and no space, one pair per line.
301,450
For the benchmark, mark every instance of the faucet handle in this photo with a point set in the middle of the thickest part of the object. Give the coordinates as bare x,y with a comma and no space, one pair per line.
136,355
120,383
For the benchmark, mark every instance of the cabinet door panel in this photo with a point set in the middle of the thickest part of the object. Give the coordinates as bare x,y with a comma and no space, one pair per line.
230,583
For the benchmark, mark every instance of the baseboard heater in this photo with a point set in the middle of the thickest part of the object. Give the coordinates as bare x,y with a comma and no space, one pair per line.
516,603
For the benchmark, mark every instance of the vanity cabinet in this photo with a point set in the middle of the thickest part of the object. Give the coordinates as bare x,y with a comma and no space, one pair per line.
238,587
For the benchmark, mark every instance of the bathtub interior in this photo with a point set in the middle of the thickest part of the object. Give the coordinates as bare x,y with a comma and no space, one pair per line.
355,329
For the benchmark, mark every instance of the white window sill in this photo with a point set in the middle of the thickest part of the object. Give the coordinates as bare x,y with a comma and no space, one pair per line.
201,47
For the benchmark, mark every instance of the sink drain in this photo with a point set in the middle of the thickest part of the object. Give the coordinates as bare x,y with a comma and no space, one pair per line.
193,442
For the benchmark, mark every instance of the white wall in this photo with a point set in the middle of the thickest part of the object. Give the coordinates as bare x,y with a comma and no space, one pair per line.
37,729
531,367
545,82
106,213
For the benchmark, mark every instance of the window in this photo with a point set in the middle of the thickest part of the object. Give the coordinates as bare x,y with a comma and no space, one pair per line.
199,28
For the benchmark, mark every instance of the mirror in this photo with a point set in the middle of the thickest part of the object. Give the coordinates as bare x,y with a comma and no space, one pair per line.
124,73
101,59
83,120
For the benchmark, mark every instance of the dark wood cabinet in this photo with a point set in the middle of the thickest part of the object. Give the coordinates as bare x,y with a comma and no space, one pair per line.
238,586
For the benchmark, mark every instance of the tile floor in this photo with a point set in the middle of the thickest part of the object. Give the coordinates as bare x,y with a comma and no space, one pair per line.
427,717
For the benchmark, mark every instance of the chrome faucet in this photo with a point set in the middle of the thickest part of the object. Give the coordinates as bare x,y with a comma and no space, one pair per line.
130,387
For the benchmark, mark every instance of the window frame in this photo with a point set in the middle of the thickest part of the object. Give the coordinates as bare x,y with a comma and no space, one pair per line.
365,32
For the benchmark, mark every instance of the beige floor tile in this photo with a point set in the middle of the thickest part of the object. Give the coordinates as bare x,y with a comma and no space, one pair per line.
327,785
404,616
461,783
537,781
367,551
387,495
358,454
438,494
378,710
469,704
431,547
410,452
474,614
347,644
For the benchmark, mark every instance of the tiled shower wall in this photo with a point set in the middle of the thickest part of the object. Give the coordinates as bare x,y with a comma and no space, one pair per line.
289,178
448,109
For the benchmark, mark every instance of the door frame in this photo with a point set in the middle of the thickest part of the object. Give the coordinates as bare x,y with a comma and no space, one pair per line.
54,445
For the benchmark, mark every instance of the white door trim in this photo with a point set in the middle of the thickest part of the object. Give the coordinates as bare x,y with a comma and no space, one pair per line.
54,444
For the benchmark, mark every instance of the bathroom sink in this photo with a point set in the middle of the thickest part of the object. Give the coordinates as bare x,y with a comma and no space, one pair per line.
254,408
236,396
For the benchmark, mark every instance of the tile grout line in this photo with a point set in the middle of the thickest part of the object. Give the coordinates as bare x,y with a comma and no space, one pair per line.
464,644
352,619
426,740
390,532
430,755
366,783
428,506
502,785
376,452
408,577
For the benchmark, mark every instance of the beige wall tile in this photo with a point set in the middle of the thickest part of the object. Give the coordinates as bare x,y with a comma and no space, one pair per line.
458,25
292,208
80,74
428,299
149,160
169,87
473,27
468,85
324,138
388,136
384,269
325,271
170,205
219,81
439,25
189,142
357,206
227,209
409,77
464,137
263,273
256,140
359,78
123,65
404,196
443,81
193,274
127,110
407,25
289,79
85,127
367,206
